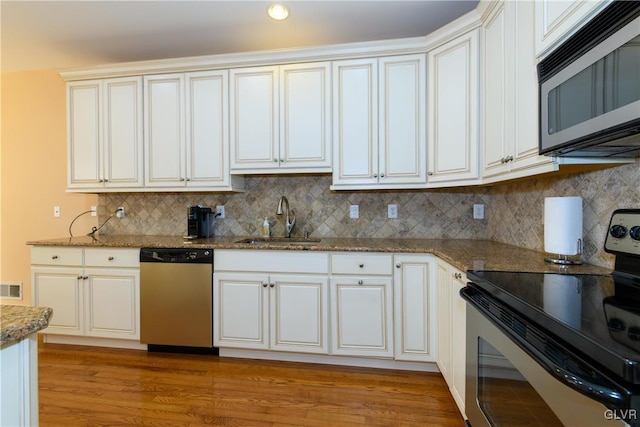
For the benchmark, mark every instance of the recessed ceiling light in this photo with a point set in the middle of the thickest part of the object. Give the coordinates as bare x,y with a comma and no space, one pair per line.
277,11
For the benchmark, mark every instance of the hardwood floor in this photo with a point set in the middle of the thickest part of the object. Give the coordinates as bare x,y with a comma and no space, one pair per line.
82,386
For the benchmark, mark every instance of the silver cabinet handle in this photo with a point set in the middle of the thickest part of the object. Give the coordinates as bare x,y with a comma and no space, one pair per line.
361,265
381,175
80,277
281,160
272,285
360,282
430,173
398,265
457,275
275,160
181,179
375,175
264,284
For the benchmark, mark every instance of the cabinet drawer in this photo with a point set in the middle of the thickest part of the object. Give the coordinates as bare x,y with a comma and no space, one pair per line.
112,257
56,255
271,261
362,264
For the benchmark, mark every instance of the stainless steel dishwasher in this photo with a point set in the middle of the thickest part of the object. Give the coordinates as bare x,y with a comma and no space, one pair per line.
176,300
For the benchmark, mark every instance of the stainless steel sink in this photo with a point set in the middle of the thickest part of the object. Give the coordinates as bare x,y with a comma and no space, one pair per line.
278,241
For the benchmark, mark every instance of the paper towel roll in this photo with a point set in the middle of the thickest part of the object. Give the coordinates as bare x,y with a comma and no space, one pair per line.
562,224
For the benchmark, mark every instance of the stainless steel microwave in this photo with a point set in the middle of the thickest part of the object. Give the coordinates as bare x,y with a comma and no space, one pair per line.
590,88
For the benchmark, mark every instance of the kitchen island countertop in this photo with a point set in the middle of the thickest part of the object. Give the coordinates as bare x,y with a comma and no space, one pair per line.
462,254
20,321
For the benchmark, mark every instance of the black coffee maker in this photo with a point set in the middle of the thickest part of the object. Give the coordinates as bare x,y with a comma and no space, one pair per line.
198,222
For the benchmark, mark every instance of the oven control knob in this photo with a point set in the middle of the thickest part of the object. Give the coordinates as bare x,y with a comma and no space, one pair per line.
618,231
635,232
634,333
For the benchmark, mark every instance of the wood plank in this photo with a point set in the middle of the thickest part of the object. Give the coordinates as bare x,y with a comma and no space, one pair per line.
103,386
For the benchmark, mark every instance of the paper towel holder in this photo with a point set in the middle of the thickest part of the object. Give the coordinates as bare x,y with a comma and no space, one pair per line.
562,259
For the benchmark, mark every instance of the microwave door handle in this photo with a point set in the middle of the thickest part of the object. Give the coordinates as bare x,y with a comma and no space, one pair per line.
605,392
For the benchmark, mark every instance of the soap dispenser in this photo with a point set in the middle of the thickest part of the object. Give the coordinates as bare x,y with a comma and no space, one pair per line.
265,228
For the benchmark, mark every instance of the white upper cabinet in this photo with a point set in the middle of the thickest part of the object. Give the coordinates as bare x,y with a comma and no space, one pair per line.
105,134
187,132
379,133
453,112
558,19
280,119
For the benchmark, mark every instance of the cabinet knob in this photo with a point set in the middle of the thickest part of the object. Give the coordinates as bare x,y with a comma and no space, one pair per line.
430,173
361,265
272,285
398,265
80,277
110,258
375,175
54,257
360,282
502,160
281,160
457,275
275,160
264,284
181,179
381,175
188,179
508,159
85,277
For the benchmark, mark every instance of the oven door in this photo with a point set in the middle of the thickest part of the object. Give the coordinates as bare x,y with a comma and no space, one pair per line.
507,387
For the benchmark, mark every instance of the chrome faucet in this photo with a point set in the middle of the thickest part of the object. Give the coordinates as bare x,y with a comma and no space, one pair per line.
290,218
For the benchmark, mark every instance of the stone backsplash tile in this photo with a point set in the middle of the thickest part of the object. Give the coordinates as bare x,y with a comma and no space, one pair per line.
514,213
319,211
516,210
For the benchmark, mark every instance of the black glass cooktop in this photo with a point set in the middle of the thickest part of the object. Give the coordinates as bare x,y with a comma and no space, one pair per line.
597,316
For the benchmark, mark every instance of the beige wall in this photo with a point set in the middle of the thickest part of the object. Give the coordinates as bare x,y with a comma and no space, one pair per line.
33,155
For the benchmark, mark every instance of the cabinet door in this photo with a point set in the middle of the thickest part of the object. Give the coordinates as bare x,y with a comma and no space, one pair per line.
558,19
254,118
444,320
402,116
112,298
299,311
60,289
241,310
305,121
453,110
84,134
496,81
207,100
362,316
355,122
123,140
414,315
458,340
164,131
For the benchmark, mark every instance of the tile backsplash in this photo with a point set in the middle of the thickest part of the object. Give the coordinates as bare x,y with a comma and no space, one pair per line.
514,213
319,211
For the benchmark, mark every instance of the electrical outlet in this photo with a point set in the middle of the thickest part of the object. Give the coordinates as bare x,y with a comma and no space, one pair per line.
354,211
478,211
56,211
220,211
392,211
94,211
120,212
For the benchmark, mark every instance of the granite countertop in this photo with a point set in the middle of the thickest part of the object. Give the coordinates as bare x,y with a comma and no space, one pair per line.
462,254
19,321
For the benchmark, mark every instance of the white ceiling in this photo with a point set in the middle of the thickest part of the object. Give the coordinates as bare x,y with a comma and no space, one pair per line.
68,34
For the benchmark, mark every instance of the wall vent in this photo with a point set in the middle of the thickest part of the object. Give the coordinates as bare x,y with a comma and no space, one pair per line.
11,290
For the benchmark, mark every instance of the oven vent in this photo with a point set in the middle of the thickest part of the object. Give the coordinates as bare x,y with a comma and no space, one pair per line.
11,291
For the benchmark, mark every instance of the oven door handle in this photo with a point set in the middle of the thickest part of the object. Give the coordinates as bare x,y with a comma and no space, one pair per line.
605,392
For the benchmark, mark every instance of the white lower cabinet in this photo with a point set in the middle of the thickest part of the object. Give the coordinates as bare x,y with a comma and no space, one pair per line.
93,292
362,316
275,300
451,330
271,311
414,307
362,304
